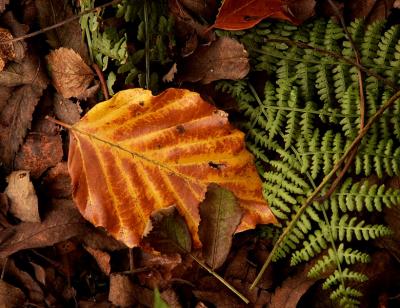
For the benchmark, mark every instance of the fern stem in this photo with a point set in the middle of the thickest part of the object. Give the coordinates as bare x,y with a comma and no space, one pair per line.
147,42
326,179
312,111
334,56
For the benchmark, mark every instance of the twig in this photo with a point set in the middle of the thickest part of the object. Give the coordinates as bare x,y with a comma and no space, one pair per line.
346,167
59,24
103,82
325,180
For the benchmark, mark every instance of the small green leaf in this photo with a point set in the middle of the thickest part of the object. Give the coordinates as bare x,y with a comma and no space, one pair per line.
110,82
158,301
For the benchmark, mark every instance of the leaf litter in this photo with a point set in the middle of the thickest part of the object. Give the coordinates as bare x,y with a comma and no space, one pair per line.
66,260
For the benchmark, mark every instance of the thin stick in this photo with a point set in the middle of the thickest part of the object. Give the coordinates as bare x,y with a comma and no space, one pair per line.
59,24
349,161
103,82
325,180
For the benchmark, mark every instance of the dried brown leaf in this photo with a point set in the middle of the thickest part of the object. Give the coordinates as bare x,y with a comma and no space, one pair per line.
62,222
17,29
52,12
301,9
58,182
5,93
40,273
122,290
7,51
291,290
38,153
188,31
102,258
371,10
225,58
10,296
66,110
22,195
15,119
396,4
3,4
219,299
203,8
71,76
220,216
97,238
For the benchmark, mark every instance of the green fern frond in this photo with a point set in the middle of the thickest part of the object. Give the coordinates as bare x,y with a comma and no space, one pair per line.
346,274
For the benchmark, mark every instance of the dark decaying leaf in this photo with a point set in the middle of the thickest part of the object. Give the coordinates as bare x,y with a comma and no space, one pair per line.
122,290
203,8
52,12
58,182
71,76
15,120
22,196
292,289
61,222
102,258
220,215
22,279
7,51
169,232
66,110
10,296
29,72
225,58
38,153
3,4
189,32
17,30
370,10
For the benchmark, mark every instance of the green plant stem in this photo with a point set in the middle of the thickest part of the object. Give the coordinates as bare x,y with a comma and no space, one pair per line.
59,24
325,180
147,42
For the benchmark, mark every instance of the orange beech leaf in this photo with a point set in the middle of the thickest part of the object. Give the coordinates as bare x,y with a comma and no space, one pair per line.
136,153
245,14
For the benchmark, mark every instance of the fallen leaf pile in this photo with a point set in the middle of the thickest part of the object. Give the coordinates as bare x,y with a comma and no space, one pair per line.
139,200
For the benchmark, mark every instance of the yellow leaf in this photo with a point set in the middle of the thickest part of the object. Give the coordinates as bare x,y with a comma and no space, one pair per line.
137,153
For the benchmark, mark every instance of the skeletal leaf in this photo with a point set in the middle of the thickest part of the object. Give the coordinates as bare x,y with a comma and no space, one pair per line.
137,153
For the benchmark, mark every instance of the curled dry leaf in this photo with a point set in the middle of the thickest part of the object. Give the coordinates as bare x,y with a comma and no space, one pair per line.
62,222
38,153
22,195
220,215
10,296
136,153
7,51
71,76
225,58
